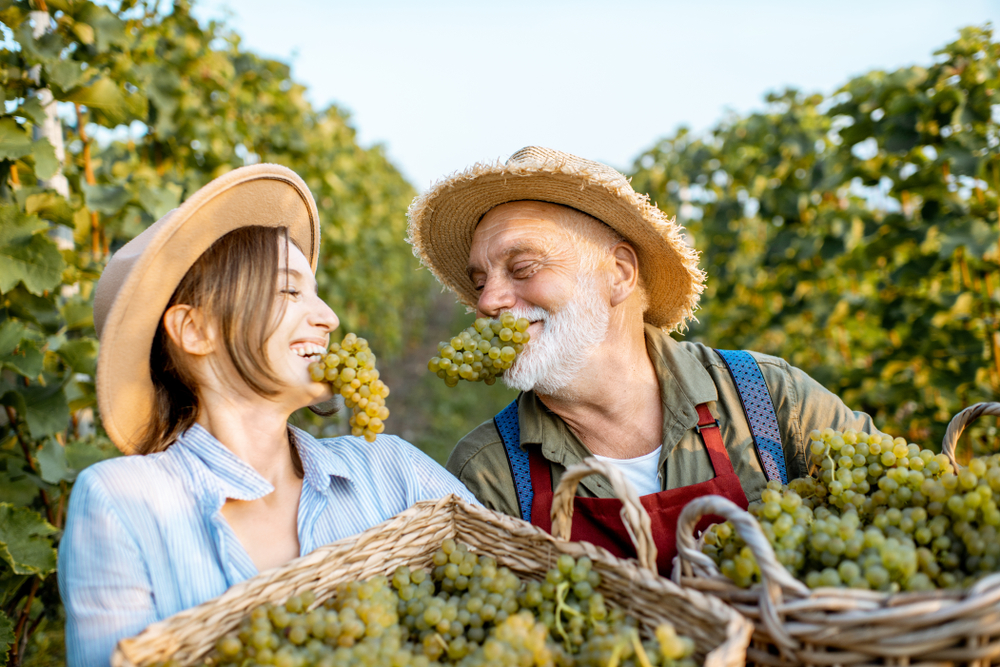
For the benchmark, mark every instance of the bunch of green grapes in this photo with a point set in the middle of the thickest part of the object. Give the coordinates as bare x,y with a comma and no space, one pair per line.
881,514
481,352
465,611
350,368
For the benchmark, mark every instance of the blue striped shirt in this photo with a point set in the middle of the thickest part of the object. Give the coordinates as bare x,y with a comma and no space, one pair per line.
145,537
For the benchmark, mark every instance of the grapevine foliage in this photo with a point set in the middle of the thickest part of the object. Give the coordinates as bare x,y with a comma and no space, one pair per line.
149,105
856,235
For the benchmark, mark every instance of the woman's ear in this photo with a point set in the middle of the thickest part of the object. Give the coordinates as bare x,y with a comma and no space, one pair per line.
625,274
188,329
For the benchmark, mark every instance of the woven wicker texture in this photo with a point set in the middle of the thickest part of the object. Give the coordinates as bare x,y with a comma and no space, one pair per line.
720,634
837,626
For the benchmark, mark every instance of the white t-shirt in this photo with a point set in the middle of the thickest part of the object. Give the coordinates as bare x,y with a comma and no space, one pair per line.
642,471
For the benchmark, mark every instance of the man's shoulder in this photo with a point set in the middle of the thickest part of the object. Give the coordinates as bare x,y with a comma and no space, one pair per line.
482,442
776,371
709,357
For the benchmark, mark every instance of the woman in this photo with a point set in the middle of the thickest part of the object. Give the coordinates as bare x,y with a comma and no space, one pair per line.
208,321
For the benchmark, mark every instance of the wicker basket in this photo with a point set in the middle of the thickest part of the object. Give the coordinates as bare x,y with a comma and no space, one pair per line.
720,634
835,626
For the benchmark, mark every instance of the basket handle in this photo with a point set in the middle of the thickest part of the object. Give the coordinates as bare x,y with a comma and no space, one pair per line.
958,424
634,515
747,528
775,577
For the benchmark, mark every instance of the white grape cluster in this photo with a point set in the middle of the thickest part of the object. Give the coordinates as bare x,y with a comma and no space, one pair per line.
350,367
466,611
882,514
481,352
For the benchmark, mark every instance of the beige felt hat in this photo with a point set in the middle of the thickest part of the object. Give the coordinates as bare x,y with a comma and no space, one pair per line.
141,277
443,219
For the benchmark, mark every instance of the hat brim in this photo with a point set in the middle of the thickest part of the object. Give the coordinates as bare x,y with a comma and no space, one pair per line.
264,194
443,222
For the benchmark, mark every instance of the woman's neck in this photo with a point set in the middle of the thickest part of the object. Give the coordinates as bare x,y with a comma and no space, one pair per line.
253,428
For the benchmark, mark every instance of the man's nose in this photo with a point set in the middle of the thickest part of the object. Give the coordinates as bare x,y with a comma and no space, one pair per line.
495,297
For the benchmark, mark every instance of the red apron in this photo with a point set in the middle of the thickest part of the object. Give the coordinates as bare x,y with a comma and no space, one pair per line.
598,520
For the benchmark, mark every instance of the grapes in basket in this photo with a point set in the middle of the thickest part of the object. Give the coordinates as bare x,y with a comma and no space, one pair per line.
350,367
482,352
882,514
466,611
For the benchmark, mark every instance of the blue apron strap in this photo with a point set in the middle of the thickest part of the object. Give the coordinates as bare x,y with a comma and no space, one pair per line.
759,410
510,432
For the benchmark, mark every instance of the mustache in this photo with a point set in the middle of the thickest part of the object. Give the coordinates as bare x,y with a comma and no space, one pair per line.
535,314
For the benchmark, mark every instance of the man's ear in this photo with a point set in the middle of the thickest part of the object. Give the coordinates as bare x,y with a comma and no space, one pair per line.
625,272
188,329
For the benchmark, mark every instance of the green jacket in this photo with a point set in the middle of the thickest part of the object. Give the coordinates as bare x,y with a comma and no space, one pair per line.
689,374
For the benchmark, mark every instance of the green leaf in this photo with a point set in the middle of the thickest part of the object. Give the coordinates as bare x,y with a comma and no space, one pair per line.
10,335
80,355
65,74
46,49
108,29
26,359
78,315
107,199
14,141
46,410
52,462
10,583
50,206
159,201
15,227
83,453
13,16
103,94
24,541
31,109
37,309
46,162
83,32
13,399
975,235
36,263
6,636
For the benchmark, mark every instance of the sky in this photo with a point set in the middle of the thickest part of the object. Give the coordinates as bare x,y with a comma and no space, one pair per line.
444,84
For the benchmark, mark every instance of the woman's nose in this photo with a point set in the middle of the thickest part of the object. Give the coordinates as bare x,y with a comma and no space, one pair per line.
323,316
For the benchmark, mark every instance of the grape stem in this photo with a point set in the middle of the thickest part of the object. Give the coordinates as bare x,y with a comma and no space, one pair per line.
561,606
640,652
440,640
616,654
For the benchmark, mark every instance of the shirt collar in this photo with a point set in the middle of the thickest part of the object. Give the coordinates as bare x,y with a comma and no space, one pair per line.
231,476
235,478
319,462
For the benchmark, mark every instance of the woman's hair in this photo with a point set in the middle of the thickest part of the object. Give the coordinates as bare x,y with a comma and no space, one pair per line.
234,284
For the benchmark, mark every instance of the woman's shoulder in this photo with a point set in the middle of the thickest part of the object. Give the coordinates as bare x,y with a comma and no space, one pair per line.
125,474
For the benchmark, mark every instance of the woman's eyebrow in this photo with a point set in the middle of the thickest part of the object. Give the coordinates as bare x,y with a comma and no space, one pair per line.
297,275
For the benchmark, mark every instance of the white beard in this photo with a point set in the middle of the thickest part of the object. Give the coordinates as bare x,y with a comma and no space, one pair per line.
554,357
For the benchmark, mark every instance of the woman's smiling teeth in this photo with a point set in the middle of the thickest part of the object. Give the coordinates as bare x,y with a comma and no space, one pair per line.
308,349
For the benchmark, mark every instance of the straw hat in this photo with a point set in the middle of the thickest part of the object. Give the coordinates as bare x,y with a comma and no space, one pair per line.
139,280
442,222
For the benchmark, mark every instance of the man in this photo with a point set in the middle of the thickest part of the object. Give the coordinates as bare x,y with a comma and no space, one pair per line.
604,277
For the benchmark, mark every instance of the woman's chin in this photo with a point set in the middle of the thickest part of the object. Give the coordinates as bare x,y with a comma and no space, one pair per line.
321,392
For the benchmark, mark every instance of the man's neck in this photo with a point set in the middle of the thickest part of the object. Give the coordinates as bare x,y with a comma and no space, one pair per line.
614,405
